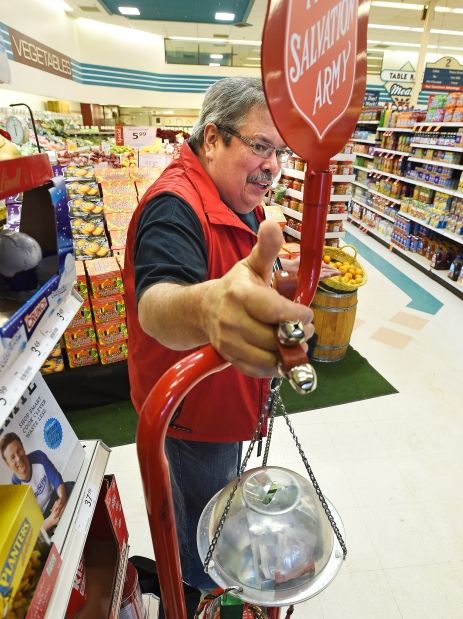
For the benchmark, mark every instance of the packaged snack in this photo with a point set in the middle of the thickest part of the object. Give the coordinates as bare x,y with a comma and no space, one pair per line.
108,309
87,227
83,316
113,352
83,356
20,522
105,278
79,207
111,332
79,337
81,283
97,247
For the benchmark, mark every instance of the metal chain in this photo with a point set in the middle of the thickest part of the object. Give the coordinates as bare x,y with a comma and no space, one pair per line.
218,531
278,405
274,406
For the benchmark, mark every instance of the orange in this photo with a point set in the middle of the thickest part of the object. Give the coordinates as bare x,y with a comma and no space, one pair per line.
326,259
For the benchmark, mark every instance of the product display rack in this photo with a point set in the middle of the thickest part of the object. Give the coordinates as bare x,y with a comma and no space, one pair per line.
368,223
22,175
337,178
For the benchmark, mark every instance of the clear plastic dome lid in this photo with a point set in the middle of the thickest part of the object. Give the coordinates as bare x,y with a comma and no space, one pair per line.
276,543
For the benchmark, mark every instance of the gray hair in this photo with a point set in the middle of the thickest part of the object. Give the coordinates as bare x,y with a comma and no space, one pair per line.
226,103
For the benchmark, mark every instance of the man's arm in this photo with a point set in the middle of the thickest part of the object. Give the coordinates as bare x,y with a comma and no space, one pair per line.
237,313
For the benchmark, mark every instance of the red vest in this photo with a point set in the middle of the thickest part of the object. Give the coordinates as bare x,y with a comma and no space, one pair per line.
224,406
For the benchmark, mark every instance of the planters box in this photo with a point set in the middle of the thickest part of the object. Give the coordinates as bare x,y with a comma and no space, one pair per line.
83,317
104,277
111,332
79,337
108,309
20,522
113,352
40,450
79,357
44,216
81,279
105,555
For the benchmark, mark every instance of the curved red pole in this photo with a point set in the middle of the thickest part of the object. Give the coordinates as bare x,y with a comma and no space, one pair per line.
154,419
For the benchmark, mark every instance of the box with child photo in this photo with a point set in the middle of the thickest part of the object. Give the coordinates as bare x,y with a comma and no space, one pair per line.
38,447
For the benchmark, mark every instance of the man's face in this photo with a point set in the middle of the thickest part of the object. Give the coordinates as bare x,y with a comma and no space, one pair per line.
15,457
242,177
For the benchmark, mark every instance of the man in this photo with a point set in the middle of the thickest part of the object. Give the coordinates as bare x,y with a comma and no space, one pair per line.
36,470
198,267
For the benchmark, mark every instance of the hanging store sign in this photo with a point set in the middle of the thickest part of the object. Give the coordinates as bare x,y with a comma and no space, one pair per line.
134,136
399,83
34,54
445,74
371,98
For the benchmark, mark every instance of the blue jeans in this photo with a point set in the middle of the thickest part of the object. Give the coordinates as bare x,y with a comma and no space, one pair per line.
198,471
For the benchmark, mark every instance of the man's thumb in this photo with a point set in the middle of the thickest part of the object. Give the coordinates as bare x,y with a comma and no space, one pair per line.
264,253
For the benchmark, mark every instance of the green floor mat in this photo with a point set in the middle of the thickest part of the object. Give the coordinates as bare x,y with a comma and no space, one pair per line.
348,380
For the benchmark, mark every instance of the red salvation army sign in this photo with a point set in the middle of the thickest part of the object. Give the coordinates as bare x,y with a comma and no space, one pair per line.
320,59
314,71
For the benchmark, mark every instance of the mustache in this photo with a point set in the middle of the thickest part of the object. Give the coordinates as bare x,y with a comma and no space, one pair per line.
265,177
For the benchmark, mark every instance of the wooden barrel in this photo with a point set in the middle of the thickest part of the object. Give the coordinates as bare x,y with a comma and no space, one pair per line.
334,316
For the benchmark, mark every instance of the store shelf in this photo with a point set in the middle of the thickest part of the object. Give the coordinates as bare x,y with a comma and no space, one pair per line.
343,178
343,157
293,193
341,197
297,215
452,149
443,164
442,231
72,541
300,174
363,141
367,155
367,122
291,232
360,167
373,209
24,173
378,193
412,258
328,235
392,152
443,124
396,129
22,368
414,181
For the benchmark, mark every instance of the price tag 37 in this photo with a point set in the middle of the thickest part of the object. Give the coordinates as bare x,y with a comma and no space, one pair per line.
87,507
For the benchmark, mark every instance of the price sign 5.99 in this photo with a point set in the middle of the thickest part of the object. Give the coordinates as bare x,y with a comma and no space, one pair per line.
134,136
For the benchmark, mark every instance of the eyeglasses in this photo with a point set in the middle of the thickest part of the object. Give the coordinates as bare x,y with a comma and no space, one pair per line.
261,149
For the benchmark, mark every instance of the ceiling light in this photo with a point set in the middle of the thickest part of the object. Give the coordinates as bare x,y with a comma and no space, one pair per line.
168,112
211,40
372,42
220,16
216,56
398,5
449,32
214,64
391,27
446,9
128,10
253,58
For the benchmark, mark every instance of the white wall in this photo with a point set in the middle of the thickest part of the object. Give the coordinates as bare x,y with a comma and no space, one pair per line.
93,42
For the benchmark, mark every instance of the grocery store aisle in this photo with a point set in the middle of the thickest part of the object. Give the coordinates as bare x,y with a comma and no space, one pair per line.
391,465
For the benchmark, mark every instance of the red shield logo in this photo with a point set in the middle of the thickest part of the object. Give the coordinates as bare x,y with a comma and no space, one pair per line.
320,59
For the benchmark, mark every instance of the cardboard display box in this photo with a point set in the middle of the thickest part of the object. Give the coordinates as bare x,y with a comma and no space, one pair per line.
44,216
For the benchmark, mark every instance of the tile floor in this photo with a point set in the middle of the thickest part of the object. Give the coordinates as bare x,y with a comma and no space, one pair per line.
391,466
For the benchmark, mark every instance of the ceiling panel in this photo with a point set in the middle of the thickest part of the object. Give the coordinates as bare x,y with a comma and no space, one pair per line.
201,11
396,35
